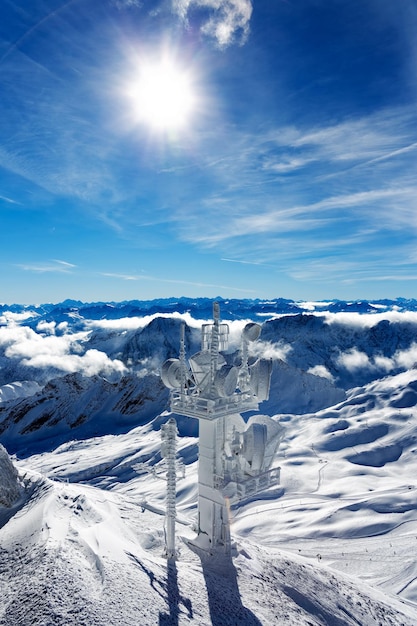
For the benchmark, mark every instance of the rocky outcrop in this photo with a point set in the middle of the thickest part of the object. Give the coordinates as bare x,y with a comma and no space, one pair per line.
10,486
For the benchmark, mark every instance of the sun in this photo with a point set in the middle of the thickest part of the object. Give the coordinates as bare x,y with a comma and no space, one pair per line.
163,95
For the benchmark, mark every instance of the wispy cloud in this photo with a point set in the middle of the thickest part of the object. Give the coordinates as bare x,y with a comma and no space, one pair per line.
346,192
9,200
379,135
175,281
305,217
286,164
243,262
52,266
347,270
121,276
51,141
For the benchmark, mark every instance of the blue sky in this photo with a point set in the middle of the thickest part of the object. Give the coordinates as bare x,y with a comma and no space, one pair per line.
290,171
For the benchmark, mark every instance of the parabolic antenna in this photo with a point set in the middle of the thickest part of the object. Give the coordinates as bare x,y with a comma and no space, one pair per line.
254,444
201,368
225,381
251,331
260,378
171,373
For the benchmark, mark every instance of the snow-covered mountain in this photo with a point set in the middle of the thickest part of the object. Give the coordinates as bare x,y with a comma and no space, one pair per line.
81,503
19,389
73,311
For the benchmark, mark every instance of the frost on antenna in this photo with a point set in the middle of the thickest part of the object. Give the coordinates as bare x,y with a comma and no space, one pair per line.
234,457
10,488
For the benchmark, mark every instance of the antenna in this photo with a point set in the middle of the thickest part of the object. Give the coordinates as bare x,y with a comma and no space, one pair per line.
183,365
251,332
213,390
214,351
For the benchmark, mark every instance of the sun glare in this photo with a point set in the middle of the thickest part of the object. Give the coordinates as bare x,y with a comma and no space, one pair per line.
163,96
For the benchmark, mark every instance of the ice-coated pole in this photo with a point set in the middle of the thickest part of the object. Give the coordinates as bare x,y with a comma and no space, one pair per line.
169,452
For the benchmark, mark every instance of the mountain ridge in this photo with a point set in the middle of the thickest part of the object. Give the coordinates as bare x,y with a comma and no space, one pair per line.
201,308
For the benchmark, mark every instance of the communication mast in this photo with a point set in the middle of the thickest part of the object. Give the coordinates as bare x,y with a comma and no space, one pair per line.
234,457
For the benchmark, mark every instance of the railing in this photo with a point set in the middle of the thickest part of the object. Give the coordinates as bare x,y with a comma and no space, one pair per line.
251,485
196,406
256,484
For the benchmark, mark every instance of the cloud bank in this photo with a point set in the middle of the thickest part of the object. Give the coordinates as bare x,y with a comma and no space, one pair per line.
354,360
65,353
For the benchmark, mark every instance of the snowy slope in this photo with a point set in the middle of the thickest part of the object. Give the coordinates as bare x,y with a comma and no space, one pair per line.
19,389
10,484
344,515
75,555
81,533
79,406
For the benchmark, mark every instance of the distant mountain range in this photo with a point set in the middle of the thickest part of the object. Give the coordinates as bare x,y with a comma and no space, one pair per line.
201,308
93,369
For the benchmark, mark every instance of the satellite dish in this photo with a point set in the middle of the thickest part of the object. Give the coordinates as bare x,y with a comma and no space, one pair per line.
254,444
251,331
260,378
225,380
171,373
201,367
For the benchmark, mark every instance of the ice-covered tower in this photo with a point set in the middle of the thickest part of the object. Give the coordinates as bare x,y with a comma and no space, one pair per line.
234,457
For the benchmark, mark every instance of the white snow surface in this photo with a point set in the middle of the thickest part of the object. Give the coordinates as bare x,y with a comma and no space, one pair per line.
18,389
335,544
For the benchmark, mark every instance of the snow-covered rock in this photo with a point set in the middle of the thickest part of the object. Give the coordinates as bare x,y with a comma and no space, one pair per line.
10,486
294,390
350,349
80,406
18,389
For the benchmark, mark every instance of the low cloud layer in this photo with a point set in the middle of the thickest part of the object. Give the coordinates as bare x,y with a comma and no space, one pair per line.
269,350
354,360
367,320
322,371
341,347
66,352
133,323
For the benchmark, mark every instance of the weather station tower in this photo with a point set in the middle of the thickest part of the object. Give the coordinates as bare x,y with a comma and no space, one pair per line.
215,387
